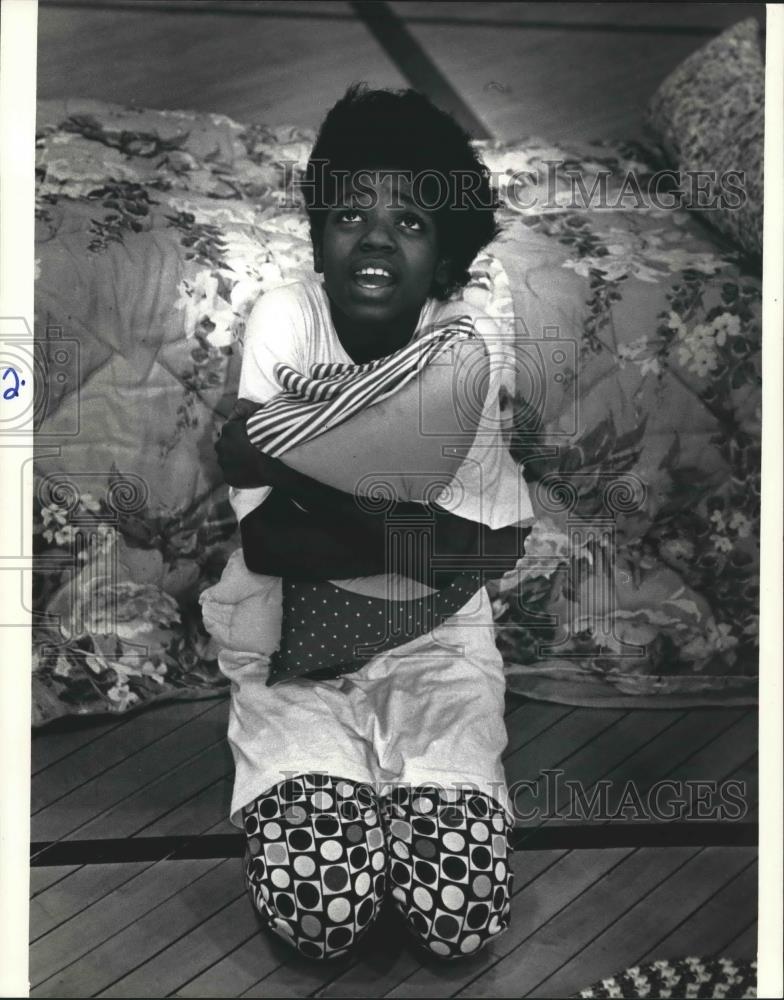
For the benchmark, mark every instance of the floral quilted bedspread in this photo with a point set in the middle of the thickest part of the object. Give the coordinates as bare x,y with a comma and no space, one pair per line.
638,412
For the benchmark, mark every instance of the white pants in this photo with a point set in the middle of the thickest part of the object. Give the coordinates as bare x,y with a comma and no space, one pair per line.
427,712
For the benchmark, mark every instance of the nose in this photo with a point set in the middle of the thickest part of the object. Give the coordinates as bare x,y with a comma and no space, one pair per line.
379,235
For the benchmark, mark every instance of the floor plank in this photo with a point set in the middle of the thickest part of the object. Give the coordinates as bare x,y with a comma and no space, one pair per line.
743,945
558,905
238,970
701,931
555,941
300,8
722,755
52,743
632,17
592,762
264,69
647,922
556,83
503,73
669,753
665,751
713,760
138,796
559,742
81,889
512,91
111,748
76,810
297,979
747,776
65,945
207,809
191,954
583,742
156,799
42,878
529,721
117,954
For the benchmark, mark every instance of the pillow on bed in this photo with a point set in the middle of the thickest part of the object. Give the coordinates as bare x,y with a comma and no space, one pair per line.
709,115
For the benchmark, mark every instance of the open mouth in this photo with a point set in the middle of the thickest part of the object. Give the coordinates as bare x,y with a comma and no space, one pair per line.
373,277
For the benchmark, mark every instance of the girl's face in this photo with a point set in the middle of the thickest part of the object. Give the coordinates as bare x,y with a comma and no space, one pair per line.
379,251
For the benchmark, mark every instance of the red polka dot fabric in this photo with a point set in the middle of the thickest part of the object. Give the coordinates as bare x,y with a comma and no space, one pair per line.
323,853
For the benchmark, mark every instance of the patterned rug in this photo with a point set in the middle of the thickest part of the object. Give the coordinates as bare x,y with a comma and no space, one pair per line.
687,977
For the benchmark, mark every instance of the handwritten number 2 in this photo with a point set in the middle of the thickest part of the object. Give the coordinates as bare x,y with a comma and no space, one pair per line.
12,391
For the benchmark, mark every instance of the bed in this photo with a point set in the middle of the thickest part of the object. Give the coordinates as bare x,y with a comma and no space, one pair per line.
637,331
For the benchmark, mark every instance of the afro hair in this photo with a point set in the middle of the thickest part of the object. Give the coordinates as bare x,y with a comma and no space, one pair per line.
402,130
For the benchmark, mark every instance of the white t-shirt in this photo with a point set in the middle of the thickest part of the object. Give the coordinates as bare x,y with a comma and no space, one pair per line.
293,324
243,611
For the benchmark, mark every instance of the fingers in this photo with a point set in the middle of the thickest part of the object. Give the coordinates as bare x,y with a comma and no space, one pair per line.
237,456
243,408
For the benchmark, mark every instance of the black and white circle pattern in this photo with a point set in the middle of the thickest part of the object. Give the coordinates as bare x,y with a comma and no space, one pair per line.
320,849
450,875
316,861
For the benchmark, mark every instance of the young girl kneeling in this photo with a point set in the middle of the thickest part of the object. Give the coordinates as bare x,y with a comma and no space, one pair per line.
380,777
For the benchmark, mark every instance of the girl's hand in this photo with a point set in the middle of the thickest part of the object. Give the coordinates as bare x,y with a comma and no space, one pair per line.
239,459
244,408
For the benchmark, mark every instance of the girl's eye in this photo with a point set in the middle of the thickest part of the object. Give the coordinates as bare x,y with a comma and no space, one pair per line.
410,221
349,215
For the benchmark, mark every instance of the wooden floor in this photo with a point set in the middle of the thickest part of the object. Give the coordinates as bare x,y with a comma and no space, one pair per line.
122,905
156,927
561,70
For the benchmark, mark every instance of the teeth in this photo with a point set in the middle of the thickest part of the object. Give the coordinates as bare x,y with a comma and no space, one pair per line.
374,270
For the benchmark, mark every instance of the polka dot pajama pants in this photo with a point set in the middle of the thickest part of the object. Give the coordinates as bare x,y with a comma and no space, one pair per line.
324,852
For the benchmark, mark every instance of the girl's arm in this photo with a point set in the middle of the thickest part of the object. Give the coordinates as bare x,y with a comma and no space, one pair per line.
309,531
282,538
312,527
410,444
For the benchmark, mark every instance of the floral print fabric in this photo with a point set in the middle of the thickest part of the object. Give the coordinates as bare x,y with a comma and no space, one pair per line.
156,233
709,115
646,550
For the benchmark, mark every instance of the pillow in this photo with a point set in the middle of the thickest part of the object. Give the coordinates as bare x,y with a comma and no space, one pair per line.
394,441
406,447
367,625
709,115
388,442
